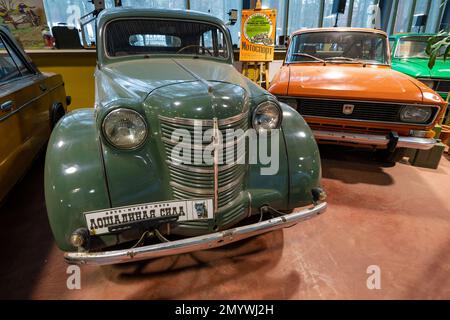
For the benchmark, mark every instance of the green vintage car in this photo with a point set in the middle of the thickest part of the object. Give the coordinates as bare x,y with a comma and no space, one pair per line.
117,186
409,57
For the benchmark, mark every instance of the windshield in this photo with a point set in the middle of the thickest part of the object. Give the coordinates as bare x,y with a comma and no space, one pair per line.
351,47
413,47
146,36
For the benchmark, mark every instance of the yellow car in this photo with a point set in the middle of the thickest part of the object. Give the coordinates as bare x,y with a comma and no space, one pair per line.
31,103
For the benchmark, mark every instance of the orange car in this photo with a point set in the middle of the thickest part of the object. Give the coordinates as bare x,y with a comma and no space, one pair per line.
341,82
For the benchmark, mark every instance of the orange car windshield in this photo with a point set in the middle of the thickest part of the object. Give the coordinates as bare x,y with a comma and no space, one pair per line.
338,47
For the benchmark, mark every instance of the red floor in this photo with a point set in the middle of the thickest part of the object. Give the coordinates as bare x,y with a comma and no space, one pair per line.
397,218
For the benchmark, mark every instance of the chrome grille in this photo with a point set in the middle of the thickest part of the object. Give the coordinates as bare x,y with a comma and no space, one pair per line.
197,180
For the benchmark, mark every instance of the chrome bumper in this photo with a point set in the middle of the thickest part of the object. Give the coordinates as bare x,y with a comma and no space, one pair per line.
374,140
208,241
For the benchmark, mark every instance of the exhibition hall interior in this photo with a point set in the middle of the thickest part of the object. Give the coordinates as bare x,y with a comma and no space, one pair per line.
224,150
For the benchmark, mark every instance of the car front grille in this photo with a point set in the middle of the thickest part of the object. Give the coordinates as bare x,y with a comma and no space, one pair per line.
443,86
367,111
197,180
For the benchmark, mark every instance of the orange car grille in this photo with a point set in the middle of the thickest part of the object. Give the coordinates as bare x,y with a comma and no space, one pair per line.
367,111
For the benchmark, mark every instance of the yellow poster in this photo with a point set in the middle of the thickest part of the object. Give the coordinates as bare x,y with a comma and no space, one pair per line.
258,35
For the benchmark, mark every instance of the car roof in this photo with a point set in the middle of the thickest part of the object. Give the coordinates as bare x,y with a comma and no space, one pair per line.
124,12
340,29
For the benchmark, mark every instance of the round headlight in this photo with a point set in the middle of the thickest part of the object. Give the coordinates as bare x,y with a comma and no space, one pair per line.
267,116
428,83
125,128
415,114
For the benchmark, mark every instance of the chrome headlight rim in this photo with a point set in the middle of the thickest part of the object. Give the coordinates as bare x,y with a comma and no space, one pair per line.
424,122
255,113
124,109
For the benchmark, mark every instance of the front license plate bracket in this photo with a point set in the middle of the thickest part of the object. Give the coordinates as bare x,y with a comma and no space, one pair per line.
149,224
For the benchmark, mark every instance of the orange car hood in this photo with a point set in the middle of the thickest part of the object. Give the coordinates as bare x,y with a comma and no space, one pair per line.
353,82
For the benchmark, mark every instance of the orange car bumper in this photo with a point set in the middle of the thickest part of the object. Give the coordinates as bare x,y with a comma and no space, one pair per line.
378,141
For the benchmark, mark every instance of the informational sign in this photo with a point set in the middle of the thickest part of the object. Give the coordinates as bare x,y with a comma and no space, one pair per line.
108,220
258,35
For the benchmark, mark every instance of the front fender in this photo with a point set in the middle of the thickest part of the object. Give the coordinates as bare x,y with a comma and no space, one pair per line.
74,175
303,157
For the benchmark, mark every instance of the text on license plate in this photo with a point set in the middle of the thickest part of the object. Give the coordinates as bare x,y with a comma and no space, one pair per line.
99,221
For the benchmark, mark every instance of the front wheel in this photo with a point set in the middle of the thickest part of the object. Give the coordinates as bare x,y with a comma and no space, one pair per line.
57,113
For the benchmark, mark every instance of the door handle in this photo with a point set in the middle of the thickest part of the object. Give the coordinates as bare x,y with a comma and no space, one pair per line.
43,87
7,106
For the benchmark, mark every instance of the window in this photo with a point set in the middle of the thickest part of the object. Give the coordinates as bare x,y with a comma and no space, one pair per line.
8,68
281,16
420,10
146,36
164,4
154,40
220,9
348,47
434,17
363,13
413,47
329,19
303,14
403,15
65,12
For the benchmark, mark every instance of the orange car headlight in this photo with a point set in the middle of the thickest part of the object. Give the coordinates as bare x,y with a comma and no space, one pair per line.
415,114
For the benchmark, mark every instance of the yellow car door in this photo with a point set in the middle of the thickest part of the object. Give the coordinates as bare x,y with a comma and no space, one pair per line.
19,96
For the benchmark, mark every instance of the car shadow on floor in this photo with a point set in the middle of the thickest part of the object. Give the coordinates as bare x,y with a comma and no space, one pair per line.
236,266
353,165
28,240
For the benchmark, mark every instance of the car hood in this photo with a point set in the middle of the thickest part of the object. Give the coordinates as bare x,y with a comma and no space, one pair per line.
419,68
197,100
352,82
136,79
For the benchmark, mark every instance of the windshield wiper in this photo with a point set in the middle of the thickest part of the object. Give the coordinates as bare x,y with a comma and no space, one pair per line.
344,59
299,54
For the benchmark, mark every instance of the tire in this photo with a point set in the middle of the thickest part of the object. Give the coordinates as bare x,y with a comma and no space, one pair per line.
57,113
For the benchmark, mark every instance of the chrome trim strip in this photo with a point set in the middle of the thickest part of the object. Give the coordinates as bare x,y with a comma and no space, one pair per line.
204,122
28,103
370,121
187,245
375,140
202,191
180,166
216,143
196,76
197,146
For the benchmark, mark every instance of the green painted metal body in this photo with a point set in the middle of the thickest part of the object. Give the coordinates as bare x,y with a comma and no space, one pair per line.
85,173
418,67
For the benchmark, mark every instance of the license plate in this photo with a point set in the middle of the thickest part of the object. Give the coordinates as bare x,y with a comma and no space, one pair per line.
100,221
